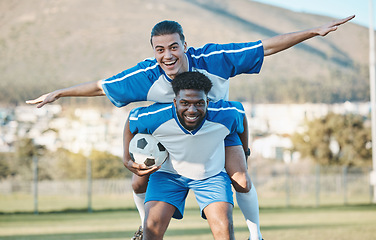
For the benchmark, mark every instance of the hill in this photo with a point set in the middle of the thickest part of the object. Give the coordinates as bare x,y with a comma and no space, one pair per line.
46,45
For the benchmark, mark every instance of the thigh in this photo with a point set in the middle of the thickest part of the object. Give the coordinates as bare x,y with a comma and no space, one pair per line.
235,160
236,168
219,216
168,188
211,190
157,218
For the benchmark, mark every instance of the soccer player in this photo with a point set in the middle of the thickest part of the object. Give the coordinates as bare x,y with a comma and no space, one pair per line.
151,80
195,132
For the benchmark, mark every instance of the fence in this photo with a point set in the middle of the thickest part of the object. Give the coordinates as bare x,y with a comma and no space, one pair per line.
284,185
317,186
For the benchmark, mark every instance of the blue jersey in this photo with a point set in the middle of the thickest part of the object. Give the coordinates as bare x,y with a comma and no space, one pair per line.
196,154
148,82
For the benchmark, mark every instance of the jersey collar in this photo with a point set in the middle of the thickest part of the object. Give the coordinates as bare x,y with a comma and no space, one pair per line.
194,131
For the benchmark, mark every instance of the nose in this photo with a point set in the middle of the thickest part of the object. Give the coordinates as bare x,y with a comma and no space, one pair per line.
168,54
192,108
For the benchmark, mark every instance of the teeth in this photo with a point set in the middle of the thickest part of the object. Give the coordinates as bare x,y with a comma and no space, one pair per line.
169,63
191,118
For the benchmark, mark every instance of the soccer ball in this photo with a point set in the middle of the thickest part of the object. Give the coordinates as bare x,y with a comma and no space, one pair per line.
146,149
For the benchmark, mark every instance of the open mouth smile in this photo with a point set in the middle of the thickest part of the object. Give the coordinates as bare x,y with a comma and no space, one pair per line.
191,118
170,63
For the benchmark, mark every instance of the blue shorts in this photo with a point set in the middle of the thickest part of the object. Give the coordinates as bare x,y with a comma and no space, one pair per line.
173,189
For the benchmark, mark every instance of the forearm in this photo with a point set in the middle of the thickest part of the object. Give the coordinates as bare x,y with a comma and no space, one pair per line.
88,89
282,42
127,137
285,41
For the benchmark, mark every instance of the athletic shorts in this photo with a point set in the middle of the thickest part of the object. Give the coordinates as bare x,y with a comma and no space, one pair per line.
173,189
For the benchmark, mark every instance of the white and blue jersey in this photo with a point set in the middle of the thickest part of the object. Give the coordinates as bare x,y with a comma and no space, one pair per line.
196,154
148,82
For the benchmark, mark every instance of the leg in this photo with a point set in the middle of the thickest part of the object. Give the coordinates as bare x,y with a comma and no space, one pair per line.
139,185
165,198
246,195
236,168
215,197
248,204
219,216
157,219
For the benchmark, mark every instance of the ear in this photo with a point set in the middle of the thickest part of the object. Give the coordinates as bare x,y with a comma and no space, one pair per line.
185,46
175,102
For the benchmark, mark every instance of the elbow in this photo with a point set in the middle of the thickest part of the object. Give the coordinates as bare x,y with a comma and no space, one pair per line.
270,51
100,91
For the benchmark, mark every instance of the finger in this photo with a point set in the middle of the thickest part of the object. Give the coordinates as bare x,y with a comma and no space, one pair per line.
41,104
134,165
344,20
147,171
38,100
34,101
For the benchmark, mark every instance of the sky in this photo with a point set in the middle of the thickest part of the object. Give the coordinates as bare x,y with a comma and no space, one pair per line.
332,8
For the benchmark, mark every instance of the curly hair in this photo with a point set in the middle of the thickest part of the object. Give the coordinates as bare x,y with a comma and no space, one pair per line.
167,27
191,80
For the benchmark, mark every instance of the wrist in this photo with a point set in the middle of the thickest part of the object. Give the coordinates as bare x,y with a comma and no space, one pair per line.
247,152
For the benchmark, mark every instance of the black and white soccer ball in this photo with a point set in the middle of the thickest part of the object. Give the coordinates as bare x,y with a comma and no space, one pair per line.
146,149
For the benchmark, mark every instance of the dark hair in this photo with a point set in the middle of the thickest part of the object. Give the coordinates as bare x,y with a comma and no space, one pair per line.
191,80
167,27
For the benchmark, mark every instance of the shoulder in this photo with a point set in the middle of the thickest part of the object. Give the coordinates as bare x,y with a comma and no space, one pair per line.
223,106
228,113
221,111
214,48
147,119
149,65
153,111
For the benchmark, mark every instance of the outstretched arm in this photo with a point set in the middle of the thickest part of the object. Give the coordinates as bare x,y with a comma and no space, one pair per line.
138,169
285,41
89,89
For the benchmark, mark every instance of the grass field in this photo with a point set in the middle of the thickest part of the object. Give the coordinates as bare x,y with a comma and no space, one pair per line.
279,223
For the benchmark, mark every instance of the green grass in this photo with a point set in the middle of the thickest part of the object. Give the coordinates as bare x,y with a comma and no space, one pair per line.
308,223
25,203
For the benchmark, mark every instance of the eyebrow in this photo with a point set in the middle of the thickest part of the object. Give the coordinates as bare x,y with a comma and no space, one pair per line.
187,100
172,44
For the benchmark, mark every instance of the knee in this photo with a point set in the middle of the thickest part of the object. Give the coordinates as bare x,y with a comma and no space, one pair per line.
153,229
224,229
138,186
222,226
242,184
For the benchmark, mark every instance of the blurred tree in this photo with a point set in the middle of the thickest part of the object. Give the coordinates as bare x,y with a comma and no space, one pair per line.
5,165
106,165
70,165
23,157
335,140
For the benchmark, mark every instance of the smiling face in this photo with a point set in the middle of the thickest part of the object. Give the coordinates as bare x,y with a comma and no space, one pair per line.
191,107
169,52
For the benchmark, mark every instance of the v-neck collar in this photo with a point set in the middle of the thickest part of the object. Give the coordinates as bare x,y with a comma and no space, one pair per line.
194,131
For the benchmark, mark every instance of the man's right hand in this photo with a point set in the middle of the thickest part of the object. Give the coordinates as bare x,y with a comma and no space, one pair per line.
140,169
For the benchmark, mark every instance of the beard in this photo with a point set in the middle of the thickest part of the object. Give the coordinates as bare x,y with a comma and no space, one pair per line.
190,127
